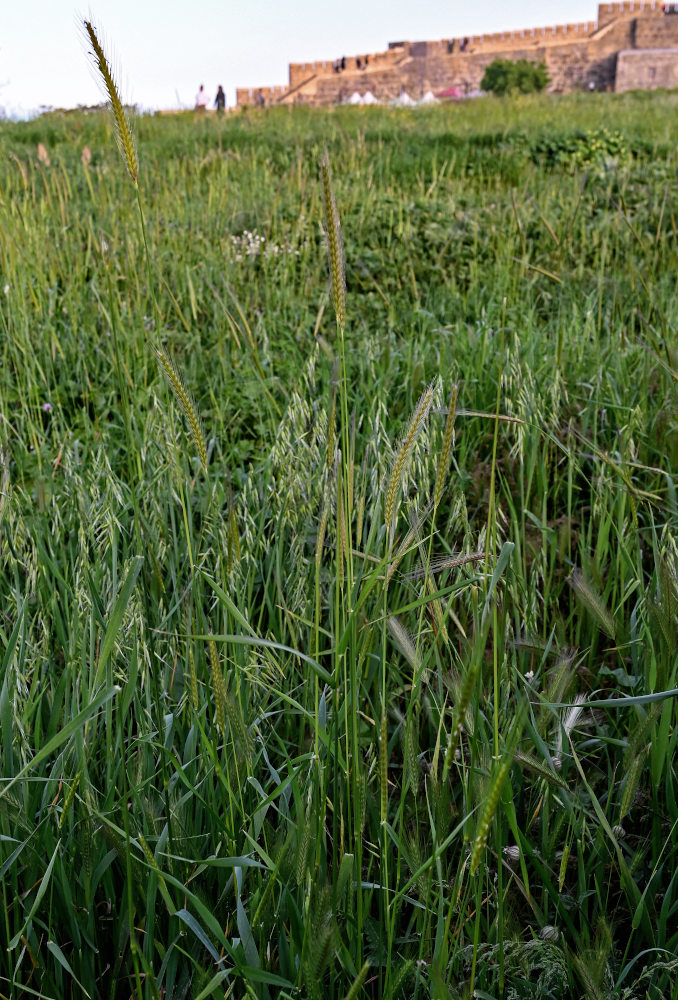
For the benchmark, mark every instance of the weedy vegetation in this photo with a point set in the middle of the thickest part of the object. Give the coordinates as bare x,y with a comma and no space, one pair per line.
338,537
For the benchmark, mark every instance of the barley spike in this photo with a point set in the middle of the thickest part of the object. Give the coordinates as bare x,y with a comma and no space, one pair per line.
335,244
187,404
123,130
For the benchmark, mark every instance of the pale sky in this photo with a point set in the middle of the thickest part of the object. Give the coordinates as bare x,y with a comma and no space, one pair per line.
164,49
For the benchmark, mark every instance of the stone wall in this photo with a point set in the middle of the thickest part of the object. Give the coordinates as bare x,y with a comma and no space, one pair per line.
571,67
510,41
648,70
578,56
656,32
247,96
299,72
629,8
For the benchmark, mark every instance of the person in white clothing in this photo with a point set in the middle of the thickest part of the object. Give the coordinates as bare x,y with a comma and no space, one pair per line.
201,99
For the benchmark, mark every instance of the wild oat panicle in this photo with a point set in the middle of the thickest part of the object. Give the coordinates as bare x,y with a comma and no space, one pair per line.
335,243
123,130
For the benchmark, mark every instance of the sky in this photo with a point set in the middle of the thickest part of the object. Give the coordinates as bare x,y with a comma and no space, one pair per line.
162,50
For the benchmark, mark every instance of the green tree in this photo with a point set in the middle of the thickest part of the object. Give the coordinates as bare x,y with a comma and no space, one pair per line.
504,76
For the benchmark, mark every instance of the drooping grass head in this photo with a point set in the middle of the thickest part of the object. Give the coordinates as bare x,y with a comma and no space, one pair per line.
123,130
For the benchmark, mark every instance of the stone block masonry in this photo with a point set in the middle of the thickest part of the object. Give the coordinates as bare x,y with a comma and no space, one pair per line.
620,50
647,70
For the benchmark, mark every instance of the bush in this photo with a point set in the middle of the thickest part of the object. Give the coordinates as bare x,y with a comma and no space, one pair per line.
503,76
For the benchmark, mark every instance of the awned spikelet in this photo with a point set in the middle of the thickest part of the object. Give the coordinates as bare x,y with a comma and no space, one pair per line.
593,602
411,759
239,732
335,243
630,784
69,800
218,685
358,982
403,640
443,462
407,542
491,802
563,867
124,133
458,718
303,844
405,453
180,391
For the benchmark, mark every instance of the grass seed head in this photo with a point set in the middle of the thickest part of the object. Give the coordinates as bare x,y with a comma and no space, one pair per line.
358,982
335,243
492,801
448,437
404,453
122,127
593,601
218,685
458,718
187,404
402,638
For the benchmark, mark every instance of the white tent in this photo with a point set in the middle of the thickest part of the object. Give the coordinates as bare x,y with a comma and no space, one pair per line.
429,98
369,98
404,101
355,98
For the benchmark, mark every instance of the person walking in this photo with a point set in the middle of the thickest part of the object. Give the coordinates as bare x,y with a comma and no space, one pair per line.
201,99
220,100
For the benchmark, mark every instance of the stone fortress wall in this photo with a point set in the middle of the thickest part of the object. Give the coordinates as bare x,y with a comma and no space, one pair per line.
632,44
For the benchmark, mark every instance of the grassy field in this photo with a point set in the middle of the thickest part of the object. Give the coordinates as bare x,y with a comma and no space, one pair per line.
340,661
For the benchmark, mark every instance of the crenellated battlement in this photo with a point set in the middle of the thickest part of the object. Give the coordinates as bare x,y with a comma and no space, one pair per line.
245,96
553,34
578,55
298,72
627,8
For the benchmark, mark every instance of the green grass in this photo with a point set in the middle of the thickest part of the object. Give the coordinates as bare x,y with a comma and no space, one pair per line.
257,730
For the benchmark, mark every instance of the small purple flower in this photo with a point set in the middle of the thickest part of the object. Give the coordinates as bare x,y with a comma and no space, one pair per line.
46,407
